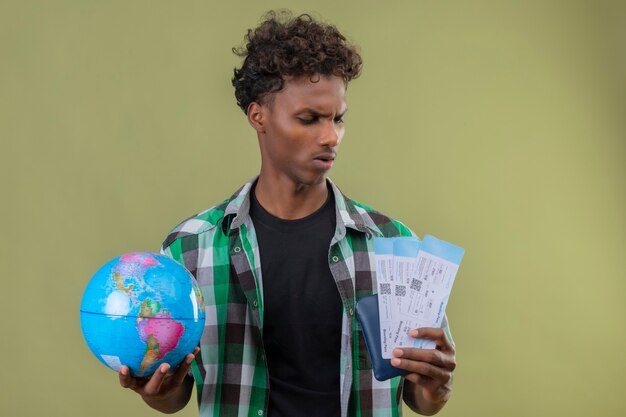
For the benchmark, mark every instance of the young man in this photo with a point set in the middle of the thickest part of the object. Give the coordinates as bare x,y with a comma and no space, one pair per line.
282,262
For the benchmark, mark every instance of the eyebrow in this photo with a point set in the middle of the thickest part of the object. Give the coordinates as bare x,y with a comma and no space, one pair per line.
319,114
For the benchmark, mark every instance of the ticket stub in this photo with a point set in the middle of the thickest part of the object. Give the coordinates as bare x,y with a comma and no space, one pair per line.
423,286
387,270
404,264
383,249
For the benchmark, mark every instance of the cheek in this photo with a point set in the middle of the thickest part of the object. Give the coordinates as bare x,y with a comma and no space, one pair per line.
285,131
340,132
294,137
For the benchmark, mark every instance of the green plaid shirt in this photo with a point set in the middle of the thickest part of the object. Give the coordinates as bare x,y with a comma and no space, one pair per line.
220,248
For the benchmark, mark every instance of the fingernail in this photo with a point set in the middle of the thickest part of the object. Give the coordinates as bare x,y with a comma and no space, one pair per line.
395,361
413,333
189,360
124,371
164,368
397,353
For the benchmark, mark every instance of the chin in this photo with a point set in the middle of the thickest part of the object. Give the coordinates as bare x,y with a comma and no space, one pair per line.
311,181
319,180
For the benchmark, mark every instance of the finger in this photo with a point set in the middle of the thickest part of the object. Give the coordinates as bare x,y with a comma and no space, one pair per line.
181,373
126,381
153,386
196,351
436,373
433,333
434,389
432,356
414,378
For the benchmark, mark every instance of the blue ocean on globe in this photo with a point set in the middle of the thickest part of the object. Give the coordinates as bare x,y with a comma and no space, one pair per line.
142,309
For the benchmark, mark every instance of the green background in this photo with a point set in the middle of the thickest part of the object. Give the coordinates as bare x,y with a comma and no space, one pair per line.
496,125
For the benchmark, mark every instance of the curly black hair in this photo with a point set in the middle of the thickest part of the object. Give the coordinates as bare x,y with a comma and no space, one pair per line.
283,46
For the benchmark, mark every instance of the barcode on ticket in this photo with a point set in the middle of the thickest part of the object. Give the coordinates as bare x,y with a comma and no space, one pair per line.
400,290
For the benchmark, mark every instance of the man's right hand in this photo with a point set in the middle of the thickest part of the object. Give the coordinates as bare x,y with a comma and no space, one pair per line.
164,391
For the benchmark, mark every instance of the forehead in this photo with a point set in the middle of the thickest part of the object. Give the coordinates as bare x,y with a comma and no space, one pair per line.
318,92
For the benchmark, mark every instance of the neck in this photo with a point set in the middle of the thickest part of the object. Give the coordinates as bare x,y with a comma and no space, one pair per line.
290,201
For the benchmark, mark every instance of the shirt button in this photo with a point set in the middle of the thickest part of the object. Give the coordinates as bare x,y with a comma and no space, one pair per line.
237,249
260,412
255,303
351,311
335,258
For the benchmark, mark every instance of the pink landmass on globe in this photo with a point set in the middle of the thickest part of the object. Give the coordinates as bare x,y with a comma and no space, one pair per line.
161,335
140,258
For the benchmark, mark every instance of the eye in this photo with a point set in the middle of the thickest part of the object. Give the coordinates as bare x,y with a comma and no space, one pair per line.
338,120
308,120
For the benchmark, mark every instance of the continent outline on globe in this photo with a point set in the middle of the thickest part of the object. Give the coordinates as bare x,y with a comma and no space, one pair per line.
161,299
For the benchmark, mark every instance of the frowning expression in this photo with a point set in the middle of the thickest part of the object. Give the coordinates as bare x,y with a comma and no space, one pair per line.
300,129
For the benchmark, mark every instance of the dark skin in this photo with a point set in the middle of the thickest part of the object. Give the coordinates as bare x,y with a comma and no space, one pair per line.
429,386
299,132
165,391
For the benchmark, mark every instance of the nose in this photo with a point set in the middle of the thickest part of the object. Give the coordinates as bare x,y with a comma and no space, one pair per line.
331,134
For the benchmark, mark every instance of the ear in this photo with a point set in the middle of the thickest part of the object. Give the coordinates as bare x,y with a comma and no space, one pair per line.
256,113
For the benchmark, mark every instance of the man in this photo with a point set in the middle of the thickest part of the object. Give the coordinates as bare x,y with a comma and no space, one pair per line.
283,261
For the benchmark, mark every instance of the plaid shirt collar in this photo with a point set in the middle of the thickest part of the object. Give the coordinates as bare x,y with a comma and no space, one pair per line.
348,214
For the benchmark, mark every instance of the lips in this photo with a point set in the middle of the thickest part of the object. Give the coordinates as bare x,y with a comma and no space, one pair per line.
326,157
324,161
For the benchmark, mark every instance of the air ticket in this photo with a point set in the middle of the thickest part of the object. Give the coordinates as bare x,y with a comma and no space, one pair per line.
422,278
389,271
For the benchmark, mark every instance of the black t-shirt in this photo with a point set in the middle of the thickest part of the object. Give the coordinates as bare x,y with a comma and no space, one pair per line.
302,311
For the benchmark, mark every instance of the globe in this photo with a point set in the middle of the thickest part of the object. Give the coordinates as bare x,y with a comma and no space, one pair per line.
142,309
